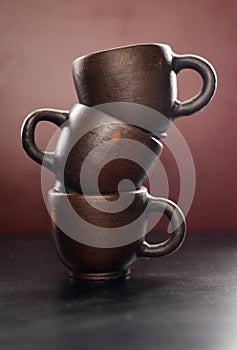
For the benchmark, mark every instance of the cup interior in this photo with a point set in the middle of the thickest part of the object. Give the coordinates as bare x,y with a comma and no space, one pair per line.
107,210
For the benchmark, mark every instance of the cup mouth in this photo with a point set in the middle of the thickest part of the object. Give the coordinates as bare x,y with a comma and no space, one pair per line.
142,190
119,48
110,119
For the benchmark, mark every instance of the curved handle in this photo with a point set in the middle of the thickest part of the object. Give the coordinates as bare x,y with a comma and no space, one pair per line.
28,134
209,83
178,224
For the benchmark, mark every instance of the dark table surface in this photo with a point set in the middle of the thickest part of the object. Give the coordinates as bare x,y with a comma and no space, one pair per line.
184,301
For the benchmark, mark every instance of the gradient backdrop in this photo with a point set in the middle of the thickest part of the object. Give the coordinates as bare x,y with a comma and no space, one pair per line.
39,41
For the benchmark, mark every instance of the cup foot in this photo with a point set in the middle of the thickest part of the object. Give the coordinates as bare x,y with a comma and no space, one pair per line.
100,276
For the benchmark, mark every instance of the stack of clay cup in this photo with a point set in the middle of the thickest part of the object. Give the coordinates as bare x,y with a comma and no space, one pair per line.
107,146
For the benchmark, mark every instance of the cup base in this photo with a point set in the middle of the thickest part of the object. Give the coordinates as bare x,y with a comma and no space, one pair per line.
100,276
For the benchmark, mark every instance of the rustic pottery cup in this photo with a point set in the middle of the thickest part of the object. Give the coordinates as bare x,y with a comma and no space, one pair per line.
94,151
143,74
96,243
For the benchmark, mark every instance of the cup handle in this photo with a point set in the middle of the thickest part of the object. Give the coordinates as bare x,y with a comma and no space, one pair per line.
57,117
208,74
178,224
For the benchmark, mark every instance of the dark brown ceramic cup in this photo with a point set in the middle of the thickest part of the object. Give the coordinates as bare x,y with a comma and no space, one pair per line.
95,242
94,151
144,74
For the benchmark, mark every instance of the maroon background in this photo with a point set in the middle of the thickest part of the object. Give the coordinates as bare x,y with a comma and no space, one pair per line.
39,41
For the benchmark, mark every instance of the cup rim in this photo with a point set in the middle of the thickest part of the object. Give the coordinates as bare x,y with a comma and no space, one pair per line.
52,192
119,48
79,108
